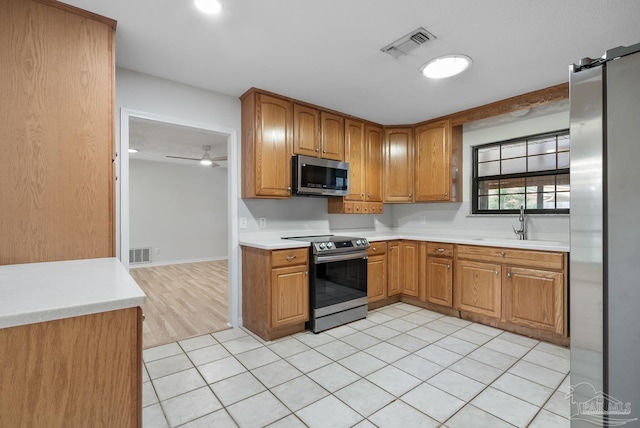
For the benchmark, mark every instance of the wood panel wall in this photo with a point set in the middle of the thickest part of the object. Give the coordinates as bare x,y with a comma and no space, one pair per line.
56,133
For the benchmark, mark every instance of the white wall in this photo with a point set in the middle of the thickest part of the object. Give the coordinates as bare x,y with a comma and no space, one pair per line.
178,210
455,218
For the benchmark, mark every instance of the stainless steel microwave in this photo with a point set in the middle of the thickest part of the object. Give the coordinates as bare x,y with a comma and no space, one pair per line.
319,177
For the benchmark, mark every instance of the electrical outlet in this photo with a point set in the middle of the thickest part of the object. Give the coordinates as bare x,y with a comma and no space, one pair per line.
243,222
423,219
263,223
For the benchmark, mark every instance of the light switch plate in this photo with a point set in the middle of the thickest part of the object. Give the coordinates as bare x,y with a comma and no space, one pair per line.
243,222
263,223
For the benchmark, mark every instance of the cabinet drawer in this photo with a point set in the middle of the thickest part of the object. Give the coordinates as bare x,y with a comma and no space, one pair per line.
531,258
377,248
440,250
290,257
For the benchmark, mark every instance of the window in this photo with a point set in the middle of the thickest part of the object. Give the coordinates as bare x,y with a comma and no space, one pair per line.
532,171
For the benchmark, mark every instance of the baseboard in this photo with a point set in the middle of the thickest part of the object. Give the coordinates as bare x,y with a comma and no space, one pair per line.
177,262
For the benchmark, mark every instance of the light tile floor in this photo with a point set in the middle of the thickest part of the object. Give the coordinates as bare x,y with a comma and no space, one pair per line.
401,367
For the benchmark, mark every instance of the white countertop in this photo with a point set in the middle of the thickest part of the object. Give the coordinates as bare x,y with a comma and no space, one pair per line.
270,242
37,292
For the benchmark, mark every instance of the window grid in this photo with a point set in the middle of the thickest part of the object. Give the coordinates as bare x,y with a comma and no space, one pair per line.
532,171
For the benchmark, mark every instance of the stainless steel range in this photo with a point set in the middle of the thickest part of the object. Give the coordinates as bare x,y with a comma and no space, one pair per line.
337,280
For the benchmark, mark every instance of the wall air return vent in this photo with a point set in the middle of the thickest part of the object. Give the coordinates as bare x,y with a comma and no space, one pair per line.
408,43
139,256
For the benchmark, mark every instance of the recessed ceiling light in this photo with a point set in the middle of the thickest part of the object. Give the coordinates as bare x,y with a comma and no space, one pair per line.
209,6
446,66
133,150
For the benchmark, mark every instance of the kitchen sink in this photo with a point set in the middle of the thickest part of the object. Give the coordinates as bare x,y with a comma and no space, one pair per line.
527,241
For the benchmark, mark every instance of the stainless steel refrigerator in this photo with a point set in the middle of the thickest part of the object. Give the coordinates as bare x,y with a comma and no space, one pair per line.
605,239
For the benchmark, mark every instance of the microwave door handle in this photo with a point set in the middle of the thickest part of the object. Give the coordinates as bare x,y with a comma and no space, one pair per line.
340,257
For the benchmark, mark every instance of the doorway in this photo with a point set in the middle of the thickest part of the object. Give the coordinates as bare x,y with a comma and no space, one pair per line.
180,139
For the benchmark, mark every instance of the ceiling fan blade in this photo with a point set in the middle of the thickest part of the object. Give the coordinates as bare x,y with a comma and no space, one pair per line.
220,158
180,157
214,165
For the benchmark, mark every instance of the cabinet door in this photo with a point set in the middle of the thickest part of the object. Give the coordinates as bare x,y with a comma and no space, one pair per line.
273,147
409,259
355,155
478,288
440,281
398,165
306,131
433,162
289,295
332,126
535,298
56,133
377,277
394,279
373,163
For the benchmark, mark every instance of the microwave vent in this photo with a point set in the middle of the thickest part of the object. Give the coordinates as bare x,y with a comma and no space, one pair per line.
408,42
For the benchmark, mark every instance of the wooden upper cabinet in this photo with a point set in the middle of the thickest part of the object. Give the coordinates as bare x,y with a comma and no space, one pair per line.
267,133
398,164
306,130
332,136
355,155
57,140
373,175
438,150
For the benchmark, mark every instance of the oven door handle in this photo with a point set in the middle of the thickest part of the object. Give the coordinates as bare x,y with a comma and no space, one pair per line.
340,257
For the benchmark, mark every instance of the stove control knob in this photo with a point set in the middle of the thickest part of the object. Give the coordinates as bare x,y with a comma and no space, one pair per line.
321,245
329,245
358,242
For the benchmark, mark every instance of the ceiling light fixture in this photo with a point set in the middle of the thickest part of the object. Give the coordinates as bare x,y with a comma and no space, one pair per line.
133,150
209,6
446,66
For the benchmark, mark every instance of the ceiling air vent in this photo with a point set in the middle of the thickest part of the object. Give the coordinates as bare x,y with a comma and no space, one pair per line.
408,43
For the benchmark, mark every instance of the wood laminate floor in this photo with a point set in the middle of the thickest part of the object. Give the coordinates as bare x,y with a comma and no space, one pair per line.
183,300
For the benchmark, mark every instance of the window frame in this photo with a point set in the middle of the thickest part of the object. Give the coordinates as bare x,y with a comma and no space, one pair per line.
475,184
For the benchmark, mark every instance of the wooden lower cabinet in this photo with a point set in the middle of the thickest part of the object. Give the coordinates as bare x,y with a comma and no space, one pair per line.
289,295
439,288
377,272
275,291
535,298
409,251
402,268
83,371
518,290
479,288
394,279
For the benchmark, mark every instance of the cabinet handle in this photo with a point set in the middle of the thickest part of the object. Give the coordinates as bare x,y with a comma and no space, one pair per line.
362,194
497,273
410,195
446,193
306,273
317,149
289,258
289,189
508,274
502,253
374,249
448,266
368,195
440,250
324,151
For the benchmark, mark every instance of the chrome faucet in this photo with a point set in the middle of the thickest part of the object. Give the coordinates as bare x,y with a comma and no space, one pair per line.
522,232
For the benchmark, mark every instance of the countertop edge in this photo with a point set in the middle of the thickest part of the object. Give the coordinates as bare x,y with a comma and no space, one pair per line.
278,243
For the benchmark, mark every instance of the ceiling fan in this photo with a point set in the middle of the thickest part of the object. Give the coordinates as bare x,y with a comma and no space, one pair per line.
206,158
